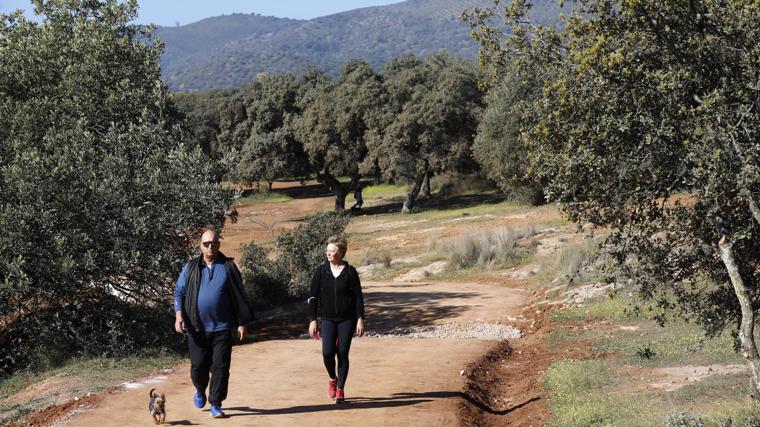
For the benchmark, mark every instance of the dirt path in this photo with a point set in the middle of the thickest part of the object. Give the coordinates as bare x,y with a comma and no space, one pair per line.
393,380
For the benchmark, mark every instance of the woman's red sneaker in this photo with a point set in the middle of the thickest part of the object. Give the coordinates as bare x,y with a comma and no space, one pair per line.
339,396
331,384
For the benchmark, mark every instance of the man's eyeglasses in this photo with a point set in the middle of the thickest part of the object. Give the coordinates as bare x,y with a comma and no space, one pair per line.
207,244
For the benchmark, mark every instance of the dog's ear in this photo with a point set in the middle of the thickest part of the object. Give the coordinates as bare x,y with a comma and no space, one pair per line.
163,397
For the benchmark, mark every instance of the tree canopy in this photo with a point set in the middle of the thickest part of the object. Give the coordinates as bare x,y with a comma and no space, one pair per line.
648,124
99,193
337,123
430,121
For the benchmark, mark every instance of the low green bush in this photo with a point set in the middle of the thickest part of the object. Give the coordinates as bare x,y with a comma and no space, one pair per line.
274,277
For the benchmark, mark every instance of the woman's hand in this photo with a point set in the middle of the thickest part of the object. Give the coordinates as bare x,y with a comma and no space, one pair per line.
313,329
360,327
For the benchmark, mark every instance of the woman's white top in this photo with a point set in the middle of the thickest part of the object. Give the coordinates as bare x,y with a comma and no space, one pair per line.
336,270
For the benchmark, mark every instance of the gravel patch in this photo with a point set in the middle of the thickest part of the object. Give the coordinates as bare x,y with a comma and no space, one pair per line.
475,331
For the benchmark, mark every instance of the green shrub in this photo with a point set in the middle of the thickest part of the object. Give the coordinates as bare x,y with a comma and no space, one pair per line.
265,281
297,253
99,192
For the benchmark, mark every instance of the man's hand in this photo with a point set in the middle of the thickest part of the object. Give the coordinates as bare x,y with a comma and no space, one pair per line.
360,327
313,329
179,323
241,332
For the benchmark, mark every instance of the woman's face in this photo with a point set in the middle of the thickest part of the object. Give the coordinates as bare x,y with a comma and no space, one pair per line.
333,253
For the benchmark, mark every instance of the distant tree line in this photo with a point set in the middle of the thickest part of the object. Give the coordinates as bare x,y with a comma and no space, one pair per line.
412,119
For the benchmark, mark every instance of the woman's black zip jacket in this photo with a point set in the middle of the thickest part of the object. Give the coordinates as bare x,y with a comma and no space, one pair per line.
338,298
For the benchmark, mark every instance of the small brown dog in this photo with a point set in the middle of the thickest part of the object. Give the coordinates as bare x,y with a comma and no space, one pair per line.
157,407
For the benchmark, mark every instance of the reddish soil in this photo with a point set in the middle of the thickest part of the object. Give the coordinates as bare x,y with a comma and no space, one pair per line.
393,381
55,413
504,387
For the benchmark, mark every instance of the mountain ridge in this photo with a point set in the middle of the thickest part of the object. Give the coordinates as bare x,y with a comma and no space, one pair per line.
229,50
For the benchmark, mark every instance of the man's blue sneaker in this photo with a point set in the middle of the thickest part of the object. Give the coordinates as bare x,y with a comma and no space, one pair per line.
199,399
217,412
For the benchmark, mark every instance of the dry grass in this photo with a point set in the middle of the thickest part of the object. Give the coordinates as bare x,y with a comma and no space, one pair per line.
490,248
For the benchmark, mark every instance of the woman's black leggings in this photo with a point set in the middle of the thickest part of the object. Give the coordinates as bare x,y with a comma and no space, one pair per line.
341,331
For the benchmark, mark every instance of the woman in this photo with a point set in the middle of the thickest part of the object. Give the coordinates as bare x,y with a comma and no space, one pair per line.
337,293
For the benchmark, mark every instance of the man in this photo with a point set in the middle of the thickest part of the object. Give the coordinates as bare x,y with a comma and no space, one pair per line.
209,304
358,198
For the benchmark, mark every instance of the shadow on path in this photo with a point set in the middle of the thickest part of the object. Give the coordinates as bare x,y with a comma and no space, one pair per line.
393,401
385,311
389,310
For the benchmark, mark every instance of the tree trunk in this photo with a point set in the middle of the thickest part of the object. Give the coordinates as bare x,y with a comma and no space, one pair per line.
337,189
746,329
411,197
340,200
752,206
270,184
747,169
426,186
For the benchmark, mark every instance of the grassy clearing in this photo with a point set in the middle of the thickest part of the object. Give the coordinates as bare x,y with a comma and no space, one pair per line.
593,392
264,197
92,375
384,191
617,309
582,395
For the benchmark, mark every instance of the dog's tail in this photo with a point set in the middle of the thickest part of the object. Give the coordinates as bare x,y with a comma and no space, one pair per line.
151,392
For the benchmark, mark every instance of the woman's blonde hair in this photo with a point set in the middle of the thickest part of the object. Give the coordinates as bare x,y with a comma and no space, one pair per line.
340,242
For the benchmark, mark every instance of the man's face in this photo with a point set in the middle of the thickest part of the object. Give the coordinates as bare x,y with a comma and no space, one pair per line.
210,245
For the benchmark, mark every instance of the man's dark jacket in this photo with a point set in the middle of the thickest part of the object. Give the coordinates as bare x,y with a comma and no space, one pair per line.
240,305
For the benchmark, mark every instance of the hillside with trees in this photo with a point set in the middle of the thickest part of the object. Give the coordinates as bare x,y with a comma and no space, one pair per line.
228,51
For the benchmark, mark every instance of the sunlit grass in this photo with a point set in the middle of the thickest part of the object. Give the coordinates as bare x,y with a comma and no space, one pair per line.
384,190
265,197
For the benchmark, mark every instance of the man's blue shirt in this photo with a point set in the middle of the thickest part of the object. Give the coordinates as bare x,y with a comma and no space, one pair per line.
214,301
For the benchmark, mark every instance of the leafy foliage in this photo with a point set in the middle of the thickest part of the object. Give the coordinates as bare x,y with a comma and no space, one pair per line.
336,124
98,192
287,274
648,124
258,122
430,120
498,147
202,113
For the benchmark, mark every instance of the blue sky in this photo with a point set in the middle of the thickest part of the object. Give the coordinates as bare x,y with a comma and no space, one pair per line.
169,12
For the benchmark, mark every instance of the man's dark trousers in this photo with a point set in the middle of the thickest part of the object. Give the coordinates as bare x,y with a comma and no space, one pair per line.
211,352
